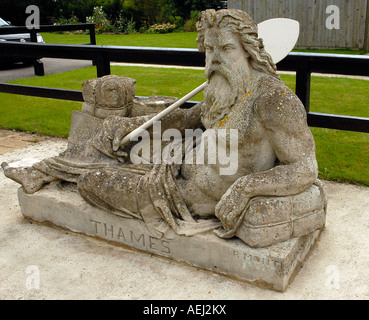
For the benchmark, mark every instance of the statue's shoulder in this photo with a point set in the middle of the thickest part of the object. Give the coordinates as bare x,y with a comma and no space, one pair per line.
275,101
272,88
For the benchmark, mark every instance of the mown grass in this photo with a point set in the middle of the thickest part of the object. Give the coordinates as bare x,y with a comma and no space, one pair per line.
52,117
167,40
342,155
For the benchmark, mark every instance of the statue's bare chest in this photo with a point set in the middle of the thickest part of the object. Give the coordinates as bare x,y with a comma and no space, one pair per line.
255,151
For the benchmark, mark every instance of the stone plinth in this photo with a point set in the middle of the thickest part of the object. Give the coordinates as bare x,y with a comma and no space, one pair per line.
272,267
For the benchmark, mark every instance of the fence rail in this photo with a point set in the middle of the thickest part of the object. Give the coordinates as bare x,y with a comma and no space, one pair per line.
38,65
303,63
52,28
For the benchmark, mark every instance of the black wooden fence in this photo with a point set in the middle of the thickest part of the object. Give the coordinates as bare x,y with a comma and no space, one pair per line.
38,65
52,28
302,63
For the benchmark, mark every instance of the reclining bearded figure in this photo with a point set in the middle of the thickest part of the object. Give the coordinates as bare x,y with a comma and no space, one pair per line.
273,196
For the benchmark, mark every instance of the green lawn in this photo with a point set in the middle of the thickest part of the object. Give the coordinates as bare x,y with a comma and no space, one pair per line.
52,117
168,40
342,155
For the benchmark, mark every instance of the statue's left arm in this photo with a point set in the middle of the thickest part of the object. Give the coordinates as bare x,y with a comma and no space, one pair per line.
283,119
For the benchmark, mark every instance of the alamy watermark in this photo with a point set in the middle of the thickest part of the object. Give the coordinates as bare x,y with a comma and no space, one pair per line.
33,280
333,20
334,277
213,147
33,20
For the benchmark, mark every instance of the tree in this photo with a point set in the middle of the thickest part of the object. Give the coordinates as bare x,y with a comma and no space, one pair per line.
79,8
113,9
142,12
184,7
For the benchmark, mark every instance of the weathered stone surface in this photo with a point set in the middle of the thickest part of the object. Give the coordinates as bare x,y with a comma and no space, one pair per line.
269,220
83,125
108,95
273,267
255,223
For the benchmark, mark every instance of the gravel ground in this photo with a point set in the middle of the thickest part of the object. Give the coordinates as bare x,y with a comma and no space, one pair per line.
40,262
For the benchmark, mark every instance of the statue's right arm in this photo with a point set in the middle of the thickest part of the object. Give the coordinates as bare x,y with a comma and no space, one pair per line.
115,127
182,119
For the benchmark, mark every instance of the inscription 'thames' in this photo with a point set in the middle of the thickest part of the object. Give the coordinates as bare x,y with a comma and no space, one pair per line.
137,240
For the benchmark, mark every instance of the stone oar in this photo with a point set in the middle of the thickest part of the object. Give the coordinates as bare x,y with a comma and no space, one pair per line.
161,114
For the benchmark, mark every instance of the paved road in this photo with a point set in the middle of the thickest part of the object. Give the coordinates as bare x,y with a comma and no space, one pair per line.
19,71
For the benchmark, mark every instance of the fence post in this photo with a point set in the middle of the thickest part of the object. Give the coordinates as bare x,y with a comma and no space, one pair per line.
92,39
303,79
38,66
102,65
33,35
92,35
366,35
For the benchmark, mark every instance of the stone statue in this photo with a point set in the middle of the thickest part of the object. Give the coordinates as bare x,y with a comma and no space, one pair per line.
273,196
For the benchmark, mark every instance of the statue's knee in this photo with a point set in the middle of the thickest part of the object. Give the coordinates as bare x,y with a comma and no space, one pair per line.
86,182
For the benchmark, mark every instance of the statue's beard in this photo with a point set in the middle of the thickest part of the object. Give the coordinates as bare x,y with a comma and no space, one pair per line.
224,87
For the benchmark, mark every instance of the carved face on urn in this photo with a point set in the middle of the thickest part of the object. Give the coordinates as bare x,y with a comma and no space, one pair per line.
108,95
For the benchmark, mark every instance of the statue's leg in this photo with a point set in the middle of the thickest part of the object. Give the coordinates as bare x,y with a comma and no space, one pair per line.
110,190
30,178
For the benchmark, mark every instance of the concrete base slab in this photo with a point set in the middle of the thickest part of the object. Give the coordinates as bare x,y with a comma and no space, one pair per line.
273,267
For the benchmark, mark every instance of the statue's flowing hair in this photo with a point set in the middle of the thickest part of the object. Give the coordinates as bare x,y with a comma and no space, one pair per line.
241,24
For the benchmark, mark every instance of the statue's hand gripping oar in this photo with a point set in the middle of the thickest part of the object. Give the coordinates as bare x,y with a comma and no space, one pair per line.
161,114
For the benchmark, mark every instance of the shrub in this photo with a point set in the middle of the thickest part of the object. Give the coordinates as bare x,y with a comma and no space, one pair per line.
161,28
101,21
126,26
72,20
190,24
143,29
177,21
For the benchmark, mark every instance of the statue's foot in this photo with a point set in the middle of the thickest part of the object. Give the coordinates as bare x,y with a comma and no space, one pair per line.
31,179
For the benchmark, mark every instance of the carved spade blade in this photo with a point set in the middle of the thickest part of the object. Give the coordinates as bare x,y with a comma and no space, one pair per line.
279,36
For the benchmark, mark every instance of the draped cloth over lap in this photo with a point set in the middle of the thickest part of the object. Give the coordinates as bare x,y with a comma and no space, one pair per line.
162,207
158,199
